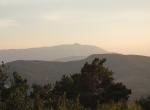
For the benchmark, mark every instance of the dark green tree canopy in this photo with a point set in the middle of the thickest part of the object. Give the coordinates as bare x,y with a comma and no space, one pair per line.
94,84
3,75
145,103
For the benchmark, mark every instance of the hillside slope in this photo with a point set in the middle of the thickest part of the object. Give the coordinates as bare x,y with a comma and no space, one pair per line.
132,70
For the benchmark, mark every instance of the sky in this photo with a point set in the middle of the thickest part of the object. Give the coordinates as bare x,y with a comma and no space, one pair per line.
115,25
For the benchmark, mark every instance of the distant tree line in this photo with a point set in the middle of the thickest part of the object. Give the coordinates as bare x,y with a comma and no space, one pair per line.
93,88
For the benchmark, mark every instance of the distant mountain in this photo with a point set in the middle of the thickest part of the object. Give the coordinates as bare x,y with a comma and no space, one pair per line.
69,52
71,58
132,70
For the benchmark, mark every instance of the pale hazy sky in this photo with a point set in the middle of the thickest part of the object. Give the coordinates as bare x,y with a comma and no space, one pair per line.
115,25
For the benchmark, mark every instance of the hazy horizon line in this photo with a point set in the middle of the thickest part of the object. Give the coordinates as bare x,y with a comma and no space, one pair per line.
67,44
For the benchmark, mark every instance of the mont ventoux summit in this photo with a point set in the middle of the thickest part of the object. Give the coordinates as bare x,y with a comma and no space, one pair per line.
48,64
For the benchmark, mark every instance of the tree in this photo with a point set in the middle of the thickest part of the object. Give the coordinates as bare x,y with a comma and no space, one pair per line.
119,106
3,77
94,84
16,96
66,104
42,96
3,80
145,103
38,103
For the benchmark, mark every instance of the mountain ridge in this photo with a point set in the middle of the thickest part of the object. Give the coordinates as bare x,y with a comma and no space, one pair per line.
51,53
129,69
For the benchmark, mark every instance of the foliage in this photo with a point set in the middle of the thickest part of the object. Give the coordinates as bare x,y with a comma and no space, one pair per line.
42,96
3,77
66,104
145,103
94,84
119,106
15,97
92,89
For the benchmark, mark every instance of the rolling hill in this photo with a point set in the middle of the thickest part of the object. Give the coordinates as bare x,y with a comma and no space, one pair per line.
132,70
55,53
